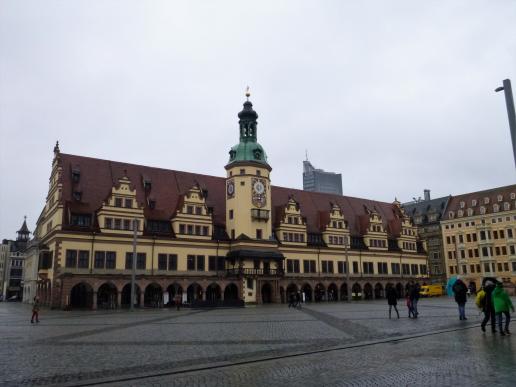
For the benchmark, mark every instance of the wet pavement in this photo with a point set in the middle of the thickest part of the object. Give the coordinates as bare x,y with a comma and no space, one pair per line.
321,344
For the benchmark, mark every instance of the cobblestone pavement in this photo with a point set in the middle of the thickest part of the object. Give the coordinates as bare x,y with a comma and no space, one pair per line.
321,344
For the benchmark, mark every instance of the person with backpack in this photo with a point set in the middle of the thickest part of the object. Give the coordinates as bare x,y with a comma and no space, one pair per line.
461,296
502,304
392,300
485,302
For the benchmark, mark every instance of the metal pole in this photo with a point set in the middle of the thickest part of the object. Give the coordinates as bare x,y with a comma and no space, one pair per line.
509,101
347,268
133,272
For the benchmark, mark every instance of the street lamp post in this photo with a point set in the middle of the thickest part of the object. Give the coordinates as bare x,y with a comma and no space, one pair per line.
509,101
133,271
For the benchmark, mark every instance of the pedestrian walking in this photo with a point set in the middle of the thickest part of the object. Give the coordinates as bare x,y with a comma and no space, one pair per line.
392,300
461,290
484,301
409,306
414,297
35,311
502,304
298,300
178,302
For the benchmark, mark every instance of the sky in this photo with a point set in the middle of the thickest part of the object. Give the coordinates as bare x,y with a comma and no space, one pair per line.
398,96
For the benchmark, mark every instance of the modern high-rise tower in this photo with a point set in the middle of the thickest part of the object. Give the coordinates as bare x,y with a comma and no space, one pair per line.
318,180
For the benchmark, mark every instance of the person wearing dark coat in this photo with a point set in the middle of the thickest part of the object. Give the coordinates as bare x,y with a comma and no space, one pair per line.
461,296
414,297
392,300
488,308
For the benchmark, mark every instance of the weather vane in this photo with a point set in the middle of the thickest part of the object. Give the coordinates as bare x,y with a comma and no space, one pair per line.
247,93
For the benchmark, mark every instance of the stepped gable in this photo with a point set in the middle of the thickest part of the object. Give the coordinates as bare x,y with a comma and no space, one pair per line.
167,186
492,194
312,204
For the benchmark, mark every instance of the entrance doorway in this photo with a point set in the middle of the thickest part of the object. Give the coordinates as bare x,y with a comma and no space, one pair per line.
266,294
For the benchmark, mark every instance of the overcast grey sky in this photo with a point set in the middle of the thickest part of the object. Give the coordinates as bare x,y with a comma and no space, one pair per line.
396,95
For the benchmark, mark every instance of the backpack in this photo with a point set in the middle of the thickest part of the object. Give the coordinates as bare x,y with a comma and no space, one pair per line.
480,301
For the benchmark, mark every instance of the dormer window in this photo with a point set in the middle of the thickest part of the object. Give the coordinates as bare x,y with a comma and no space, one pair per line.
496,208
513,195
462,204
482,210
451,214
152,203
486,200
77,195
460,213
76,175
257,154
147,184
470,211
500,198
474,202
506,206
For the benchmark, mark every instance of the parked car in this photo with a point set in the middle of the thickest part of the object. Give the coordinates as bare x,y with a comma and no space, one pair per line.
12,299
431,291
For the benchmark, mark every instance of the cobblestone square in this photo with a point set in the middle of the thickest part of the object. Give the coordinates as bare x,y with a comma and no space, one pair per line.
321,344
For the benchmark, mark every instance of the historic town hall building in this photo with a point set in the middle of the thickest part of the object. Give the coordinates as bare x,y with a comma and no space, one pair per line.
213,240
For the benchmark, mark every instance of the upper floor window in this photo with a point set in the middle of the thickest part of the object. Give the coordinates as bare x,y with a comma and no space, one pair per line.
128,203
118,202
500,198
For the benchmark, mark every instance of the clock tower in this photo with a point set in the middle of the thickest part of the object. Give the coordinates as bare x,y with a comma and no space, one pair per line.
248,189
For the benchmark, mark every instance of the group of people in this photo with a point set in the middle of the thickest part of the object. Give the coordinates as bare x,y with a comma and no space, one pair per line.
411,299
495,304
294,300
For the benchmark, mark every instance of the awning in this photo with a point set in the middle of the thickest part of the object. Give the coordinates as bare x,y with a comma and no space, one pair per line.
255,254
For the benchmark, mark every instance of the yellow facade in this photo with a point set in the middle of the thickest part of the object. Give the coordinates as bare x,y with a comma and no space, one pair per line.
266,249
481,246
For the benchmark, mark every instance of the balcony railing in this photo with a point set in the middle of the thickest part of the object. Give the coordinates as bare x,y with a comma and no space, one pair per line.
254,272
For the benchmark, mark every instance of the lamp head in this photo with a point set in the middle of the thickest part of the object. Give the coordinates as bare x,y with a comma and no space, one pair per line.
499,89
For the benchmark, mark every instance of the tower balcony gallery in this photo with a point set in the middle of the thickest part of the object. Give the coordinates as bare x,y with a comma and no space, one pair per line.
212,240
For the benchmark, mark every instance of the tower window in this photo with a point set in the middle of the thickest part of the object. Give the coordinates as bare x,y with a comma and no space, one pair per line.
242,171
230,214
232,234
258,172
258,233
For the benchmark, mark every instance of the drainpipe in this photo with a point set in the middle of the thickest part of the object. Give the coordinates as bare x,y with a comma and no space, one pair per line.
152,254
91,254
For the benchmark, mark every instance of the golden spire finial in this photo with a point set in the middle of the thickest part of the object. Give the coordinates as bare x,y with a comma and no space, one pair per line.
247,93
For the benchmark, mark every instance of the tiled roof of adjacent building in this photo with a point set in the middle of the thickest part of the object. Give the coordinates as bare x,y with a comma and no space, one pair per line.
97,177
424,208
482,202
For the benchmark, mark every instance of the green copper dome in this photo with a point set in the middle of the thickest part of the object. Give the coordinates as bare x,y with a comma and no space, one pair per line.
248,148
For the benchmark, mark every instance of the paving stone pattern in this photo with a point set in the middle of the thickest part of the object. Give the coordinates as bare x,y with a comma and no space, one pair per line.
348,344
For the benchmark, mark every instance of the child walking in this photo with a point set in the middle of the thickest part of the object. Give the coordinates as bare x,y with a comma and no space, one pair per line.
35,311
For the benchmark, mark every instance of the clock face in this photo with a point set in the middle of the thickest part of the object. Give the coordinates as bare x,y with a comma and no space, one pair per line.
259,187
230,188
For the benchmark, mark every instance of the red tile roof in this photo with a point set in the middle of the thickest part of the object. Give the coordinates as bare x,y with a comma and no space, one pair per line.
97,177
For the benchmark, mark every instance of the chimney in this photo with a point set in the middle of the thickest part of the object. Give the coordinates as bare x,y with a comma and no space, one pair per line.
427,195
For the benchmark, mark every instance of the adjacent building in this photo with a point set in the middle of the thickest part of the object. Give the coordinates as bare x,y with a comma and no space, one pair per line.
426,214
479,236
4,263
213,240
317,180
13,271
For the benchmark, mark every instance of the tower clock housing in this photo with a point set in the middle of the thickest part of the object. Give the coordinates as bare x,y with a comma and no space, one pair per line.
248,189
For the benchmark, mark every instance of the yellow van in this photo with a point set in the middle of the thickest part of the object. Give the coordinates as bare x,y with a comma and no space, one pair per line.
431,291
